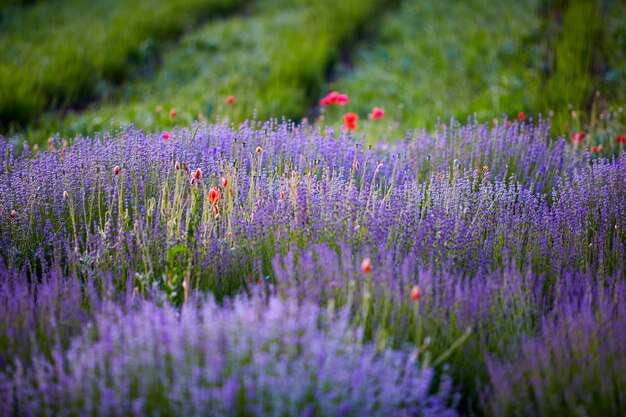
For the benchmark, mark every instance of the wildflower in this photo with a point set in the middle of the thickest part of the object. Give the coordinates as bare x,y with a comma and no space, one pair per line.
508,124
117,170
594,149
377,113
35,149
416,293
230,100
333,97
13,214
177,165
577,138
494,121
521,116
66,195
50,144
224,182
366,266
192,181
166,136
214,195
282,195
173,113
621,140
159,109
201,117
197,174
349,120
258,149
229,235
600,148
216,210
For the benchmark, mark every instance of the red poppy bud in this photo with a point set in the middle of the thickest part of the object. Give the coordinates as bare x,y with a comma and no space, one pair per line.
258,149
197,174
117,170
173,113
416,293
577,138
224,182
521,117
366,266
230,100
13,214
214,195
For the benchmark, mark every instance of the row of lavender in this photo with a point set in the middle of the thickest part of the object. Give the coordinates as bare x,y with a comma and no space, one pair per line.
514,241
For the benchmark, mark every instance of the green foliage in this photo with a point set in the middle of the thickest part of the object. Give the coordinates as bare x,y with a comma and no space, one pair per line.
570,82
60,53
446,59
245,57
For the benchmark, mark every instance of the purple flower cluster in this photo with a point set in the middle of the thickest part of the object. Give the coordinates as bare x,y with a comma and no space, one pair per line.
246,358
480,242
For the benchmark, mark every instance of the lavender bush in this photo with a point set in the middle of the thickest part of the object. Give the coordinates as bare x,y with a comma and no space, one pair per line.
279,359
470,245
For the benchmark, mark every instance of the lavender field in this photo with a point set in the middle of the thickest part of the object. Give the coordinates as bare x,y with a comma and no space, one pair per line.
276,269
312,208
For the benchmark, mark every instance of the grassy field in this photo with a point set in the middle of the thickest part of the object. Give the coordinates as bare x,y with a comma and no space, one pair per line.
243,57
58,54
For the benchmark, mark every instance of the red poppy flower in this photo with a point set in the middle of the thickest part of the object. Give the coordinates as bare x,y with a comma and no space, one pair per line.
621,140
333,97
173,113
230,100
521,117
349,120
366,266
378,113
214,195
166,136
594,149
416,293
342,99
577,138
197,174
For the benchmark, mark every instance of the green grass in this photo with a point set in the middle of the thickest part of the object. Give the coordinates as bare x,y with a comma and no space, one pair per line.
447,59
273,62
573,58
58,54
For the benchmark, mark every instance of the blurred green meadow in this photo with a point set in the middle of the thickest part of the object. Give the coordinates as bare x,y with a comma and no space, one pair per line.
77,67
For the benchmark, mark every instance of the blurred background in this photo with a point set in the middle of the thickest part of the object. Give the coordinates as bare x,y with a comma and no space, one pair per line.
81,66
